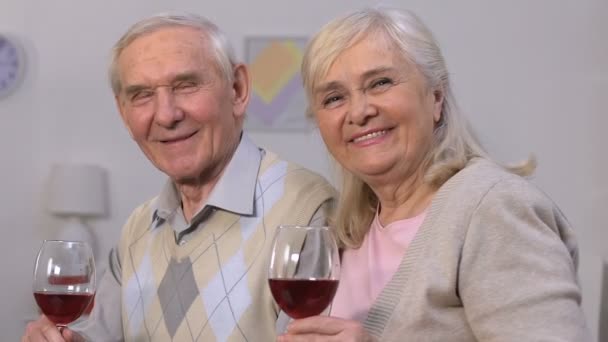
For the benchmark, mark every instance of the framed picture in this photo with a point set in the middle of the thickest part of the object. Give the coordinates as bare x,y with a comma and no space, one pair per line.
278,101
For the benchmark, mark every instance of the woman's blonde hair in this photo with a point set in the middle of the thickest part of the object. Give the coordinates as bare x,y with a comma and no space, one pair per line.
454,143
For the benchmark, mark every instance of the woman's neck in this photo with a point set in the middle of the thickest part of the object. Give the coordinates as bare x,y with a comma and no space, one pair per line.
403,200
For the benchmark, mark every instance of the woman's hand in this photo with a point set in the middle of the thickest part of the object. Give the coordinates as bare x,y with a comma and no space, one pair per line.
323,328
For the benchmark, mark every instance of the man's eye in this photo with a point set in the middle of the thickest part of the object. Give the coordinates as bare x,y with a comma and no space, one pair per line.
142,95
185,87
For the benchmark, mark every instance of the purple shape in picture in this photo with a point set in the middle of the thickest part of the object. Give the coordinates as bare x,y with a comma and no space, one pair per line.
268,113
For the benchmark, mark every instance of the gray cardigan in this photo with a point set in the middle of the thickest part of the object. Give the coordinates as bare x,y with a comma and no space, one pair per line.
494,260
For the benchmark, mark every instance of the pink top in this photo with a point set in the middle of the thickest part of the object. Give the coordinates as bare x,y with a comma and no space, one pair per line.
365,271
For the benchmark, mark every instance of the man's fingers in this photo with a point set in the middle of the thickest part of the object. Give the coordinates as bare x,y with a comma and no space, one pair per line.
71,336
33,332
51,333
42,330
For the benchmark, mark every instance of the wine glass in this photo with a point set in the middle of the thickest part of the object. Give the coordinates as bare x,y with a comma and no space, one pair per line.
304,269
64,280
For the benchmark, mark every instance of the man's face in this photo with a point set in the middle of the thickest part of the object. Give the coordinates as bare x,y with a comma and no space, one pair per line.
179,108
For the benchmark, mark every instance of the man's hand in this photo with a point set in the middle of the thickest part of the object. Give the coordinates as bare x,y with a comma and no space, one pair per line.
322,328
45,330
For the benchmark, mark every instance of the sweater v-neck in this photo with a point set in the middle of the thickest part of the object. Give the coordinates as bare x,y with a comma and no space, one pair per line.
385,304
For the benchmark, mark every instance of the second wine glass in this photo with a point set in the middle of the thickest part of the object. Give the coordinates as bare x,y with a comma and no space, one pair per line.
304,269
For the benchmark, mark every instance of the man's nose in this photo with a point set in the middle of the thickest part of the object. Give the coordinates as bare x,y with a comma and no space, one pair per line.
361,110
167,112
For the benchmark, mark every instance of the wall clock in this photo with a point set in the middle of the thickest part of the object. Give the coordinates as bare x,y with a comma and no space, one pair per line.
12,65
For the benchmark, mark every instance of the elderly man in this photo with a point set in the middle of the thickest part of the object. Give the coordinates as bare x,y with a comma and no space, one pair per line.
191,264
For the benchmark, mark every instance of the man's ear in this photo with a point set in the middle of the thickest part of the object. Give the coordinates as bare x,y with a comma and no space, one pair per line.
123,114
241,89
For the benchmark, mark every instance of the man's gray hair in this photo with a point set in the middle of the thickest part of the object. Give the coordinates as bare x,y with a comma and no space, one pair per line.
211,34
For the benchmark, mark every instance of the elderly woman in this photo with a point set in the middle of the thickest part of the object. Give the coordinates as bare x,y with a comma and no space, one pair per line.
439,242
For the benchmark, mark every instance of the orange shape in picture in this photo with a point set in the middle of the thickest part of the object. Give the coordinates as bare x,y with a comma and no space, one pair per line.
274,67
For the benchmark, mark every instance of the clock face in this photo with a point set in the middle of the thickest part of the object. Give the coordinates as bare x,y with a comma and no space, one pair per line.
11,65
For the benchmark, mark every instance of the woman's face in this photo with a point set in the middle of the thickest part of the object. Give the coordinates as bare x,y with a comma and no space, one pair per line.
375,112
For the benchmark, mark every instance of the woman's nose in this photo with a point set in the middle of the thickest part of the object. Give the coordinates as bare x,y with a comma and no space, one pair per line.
361,110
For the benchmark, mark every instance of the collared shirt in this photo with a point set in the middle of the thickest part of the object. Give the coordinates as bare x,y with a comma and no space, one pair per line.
234,192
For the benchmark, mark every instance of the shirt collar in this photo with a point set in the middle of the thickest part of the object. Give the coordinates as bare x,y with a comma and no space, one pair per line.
234,191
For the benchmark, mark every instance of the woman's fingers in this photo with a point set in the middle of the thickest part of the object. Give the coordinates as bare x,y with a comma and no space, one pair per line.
320,325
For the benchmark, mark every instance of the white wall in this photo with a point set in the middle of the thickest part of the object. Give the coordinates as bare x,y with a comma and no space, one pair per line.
598,77
530,74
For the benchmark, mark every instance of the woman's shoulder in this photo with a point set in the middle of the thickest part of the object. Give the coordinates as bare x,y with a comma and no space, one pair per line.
483,180
483,174
485,197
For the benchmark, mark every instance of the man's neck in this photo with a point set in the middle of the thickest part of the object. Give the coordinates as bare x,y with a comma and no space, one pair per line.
193,196
194,193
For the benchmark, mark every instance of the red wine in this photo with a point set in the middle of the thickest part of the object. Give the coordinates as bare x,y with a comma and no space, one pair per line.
301,298
62,308
68,279
72,280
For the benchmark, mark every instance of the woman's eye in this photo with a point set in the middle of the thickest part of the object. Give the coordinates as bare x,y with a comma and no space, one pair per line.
331,99
381,82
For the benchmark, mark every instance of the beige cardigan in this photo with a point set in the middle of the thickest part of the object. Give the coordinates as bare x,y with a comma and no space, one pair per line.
494,260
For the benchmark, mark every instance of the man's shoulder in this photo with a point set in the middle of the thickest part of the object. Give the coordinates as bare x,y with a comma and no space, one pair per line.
293,178
273,167
298,191
138,223
143,214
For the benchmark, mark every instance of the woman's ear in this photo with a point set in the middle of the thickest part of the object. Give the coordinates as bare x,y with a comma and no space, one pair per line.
437,104
241,88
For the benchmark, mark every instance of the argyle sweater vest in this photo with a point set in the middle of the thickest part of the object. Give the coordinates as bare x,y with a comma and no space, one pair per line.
214,287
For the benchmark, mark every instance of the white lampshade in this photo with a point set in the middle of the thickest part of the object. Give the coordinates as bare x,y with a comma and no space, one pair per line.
77,190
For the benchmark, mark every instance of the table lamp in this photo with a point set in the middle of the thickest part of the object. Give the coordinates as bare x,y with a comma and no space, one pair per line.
77,192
